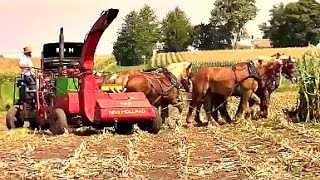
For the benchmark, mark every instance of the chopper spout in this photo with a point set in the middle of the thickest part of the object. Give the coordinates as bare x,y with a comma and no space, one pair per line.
88,84
93,38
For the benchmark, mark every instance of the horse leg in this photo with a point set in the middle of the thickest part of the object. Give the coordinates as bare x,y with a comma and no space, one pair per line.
224,113
197,114
215,107
197,96
214,111
180,108
239,112
207,105
194,104
264,105
243,108
221,102
245,103
253,101
178,105
165,114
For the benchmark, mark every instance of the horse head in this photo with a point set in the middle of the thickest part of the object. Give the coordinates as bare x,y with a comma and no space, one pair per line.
182,71
277,55
288,69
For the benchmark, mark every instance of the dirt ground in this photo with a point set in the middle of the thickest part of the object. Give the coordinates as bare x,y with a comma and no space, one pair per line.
264,149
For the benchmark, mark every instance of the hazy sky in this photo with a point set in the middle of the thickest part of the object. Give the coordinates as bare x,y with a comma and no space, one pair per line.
38,21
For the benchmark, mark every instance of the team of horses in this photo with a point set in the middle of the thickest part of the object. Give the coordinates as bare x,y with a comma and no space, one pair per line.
253,81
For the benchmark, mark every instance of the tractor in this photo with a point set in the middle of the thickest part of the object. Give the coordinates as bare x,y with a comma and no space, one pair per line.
66,93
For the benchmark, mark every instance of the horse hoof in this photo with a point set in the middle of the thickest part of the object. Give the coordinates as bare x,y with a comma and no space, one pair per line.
222,122
213,124
188,125
201,124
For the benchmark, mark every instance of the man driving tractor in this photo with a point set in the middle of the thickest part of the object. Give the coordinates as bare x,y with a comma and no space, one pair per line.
26,66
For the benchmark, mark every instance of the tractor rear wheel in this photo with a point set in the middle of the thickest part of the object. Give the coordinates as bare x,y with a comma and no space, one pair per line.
13,120
58,121
155,124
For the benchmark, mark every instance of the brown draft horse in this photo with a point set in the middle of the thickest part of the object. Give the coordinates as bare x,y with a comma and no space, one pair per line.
179,70
161,88
221,81
269,83
272,81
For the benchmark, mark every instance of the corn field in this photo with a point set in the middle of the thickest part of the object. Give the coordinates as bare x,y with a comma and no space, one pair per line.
308,80
163,59
270,148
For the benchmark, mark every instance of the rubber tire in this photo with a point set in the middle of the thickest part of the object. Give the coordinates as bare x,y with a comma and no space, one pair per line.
124,128
58,121
154,126
12,121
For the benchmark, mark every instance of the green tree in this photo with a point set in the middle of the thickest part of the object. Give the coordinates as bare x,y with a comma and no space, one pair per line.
226,24
125,46
230,16
295,24
148,33
137,37
176,31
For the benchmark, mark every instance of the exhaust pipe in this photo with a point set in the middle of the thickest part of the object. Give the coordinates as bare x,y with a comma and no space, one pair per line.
61,50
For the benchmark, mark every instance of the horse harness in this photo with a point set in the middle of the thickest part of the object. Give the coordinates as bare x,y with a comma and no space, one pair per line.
252,70
159,74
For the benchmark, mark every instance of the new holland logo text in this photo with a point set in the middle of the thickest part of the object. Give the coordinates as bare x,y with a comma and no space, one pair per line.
127,111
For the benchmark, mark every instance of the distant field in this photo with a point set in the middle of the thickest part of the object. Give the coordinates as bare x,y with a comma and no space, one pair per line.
9,65
224,55
107,62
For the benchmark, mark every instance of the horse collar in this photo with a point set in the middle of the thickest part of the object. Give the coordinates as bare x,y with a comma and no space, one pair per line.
253,72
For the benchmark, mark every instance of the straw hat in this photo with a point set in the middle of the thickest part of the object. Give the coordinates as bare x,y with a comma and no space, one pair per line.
27,49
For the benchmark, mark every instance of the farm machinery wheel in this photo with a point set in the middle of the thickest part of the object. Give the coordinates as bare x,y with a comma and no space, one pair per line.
13,120
154,125
58,121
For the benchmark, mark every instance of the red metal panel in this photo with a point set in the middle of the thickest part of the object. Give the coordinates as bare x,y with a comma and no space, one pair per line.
88,93
127,103
69,103
125,110
124,114
73,104
128,95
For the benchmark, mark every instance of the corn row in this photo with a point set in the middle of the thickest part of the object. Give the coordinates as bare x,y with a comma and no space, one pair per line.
173,57
168,58
308,80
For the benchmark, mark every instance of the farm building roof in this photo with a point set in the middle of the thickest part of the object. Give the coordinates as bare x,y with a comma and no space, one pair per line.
262,43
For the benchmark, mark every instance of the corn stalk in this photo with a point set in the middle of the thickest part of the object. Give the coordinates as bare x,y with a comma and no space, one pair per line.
308,79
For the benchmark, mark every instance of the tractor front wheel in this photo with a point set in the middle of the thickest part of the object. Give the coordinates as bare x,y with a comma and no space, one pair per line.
155,124
13,120
58,121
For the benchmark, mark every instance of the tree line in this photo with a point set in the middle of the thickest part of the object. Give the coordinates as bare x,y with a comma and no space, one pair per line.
290,25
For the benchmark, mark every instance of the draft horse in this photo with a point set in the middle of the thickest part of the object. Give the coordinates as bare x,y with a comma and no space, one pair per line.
162,87
272,81
269,83
221,82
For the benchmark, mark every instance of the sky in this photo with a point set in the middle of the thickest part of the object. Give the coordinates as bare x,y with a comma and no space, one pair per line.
33,23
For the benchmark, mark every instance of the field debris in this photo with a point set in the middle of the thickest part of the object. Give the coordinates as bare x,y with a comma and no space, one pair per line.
264,149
